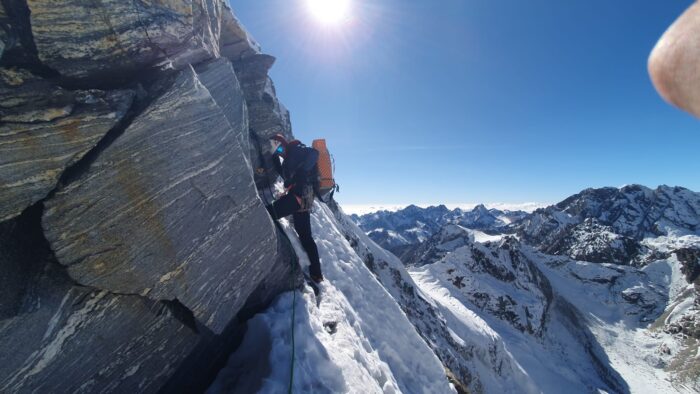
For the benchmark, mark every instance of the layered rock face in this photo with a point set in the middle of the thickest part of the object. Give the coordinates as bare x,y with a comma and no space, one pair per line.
133,239
45,130
87,39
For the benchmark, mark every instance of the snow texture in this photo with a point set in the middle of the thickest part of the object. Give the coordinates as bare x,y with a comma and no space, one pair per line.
356,340
490,311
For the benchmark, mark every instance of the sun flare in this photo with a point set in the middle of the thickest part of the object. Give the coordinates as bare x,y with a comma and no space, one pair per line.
329,12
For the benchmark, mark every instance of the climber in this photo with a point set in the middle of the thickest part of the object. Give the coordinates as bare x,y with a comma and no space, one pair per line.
297,170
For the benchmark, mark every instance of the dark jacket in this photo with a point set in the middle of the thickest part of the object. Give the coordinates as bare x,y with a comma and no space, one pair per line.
299,167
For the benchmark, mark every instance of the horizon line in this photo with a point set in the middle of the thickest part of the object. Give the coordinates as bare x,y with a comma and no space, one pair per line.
364,209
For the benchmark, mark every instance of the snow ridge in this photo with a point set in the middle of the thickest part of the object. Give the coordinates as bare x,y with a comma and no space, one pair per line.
356,340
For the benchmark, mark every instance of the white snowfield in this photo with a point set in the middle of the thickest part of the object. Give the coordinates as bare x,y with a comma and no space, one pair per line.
596,330
632,345
356,341
480,348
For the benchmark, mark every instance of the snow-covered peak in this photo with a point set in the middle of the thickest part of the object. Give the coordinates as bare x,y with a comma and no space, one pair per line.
401,230
494,312
609,224
637,211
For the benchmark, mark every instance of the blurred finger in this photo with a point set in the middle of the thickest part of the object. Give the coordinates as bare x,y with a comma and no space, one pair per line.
674,64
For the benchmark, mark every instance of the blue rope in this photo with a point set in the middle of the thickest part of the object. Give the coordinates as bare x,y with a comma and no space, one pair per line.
294,308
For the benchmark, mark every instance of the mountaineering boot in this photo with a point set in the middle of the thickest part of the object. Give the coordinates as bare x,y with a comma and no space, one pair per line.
317,278
315,286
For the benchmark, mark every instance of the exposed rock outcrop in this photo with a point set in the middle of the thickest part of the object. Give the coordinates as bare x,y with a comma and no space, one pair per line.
235,42
221,82
133,241
79,339
46,129
690,263
111,37
267,116
403,231
169,210
623,217
59,337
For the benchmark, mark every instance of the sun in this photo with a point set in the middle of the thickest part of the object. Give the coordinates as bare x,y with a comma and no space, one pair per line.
329,12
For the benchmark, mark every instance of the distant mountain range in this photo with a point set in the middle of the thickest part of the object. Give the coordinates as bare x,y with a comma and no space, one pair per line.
608,279
611,225
401,230
599,225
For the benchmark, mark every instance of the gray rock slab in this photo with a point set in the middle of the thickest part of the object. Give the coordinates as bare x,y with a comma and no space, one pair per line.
26,98
236,43
169,210
266,115
45,129
285,275
220,79
92,39
78,340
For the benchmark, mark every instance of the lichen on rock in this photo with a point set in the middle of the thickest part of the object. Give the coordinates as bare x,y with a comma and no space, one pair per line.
133,241
169,210
108,37
46,129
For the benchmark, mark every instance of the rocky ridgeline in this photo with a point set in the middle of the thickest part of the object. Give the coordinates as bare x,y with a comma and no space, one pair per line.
609,224
488,268
133,241
502,281
402,231
461,358
628,256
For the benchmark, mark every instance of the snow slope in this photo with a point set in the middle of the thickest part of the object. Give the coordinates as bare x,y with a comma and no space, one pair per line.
502,286
609,321
620,303
356,340
473,353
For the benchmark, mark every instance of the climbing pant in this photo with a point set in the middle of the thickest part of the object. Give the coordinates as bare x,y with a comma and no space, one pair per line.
288,205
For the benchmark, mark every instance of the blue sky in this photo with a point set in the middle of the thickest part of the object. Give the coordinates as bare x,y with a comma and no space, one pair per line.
457,101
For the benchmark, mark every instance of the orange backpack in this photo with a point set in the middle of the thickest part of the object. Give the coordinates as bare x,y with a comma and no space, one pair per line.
325,183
